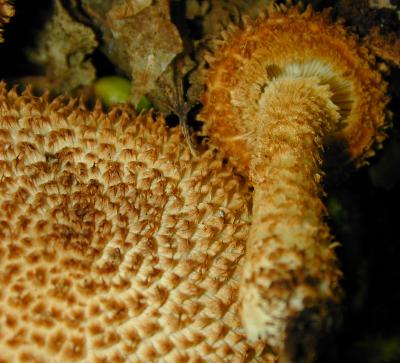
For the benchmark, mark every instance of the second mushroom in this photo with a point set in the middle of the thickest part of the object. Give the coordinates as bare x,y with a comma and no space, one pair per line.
280,91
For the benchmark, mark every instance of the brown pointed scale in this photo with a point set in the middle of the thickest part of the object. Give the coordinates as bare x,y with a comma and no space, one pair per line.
280,90
116,244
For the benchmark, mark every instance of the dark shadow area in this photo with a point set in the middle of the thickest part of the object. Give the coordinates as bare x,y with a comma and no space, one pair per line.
20,35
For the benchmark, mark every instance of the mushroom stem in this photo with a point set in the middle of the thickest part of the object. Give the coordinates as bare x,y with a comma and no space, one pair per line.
276,91
290,264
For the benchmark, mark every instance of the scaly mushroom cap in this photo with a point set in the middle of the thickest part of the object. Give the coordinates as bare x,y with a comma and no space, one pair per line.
116,244
289,43
6,12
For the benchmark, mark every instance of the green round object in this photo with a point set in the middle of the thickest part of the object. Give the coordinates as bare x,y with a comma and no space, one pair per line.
112,90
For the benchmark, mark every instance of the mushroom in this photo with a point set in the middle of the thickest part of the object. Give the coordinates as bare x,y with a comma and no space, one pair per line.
279,91
116,244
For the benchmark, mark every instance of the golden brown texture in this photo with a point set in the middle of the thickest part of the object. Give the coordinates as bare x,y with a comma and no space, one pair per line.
6,12
116,245
278,91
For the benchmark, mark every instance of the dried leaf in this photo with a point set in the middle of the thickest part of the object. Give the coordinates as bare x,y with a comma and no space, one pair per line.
62,49
6,12
125,9
385,46
217,14
381,4
138,36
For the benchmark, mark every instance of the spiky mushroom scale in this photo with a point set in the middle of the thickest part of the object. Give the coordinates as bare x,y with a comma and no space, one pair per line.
278,91
115,243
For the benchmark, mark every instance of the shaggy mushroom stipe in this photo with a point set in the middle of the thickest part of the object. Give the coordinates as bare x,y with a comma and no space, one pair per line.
116,245
278,90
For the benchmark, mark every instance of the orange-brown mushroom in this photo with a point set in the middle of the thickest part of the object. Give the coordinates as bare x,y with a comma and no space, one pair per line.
278,92
116,245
